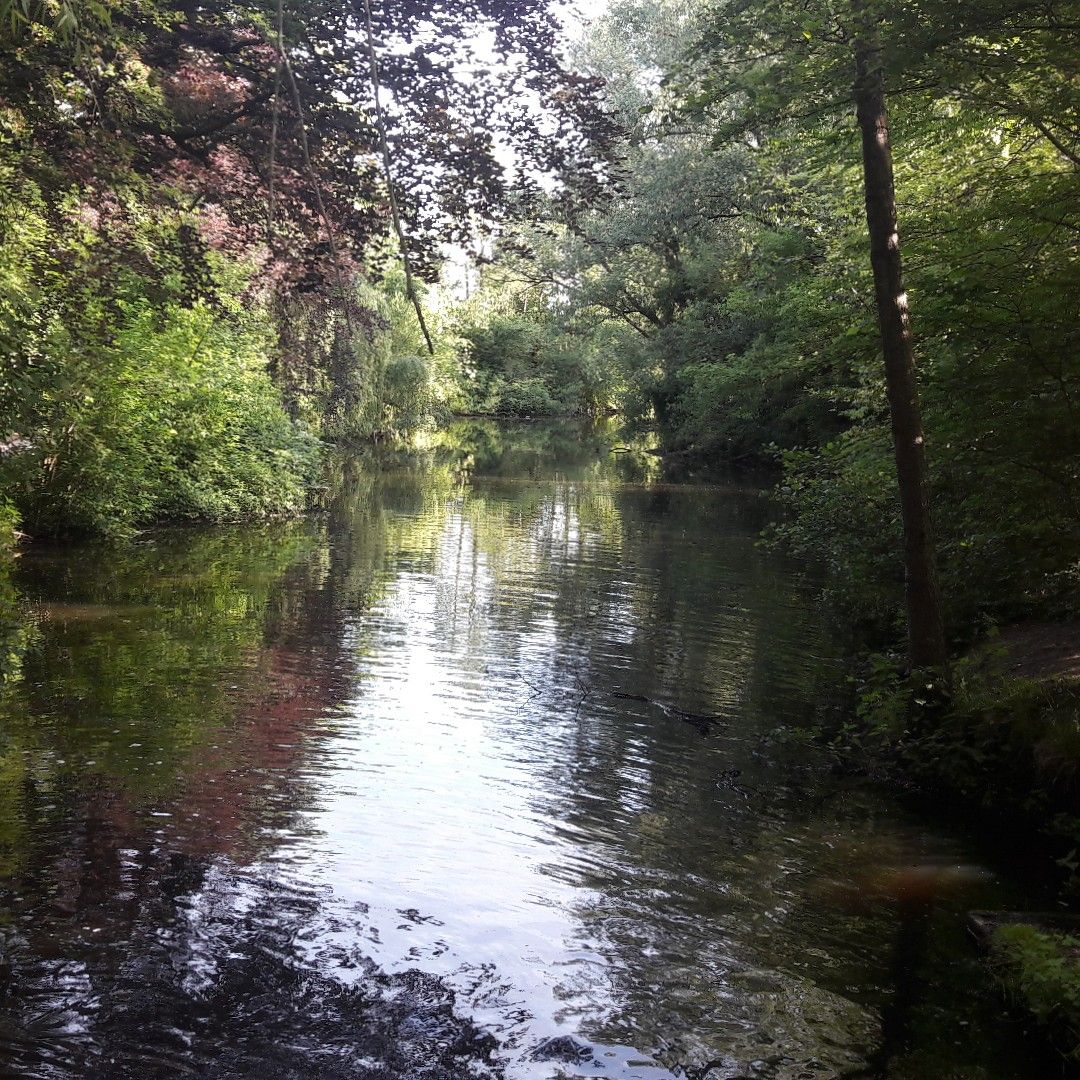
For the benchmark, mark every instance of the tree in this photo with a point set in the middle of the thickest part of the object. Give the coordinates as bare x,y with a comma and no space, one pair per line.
195,100
926,628
775,63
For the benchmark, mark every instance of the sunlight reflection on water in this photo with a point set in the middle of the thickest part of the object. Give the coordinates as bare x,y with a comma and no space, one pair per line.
317,799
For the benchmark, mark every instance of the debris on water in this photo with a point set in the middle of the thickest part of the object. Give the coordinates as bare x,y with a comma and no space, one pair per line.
704,722
729,780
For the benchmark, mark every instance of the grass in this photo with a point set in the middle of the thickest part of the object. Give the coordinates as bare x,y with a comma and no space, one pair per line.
1040,972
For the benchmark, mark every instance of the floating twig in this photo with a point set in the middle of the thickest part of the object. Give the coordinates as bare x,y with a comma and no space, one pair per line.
704,722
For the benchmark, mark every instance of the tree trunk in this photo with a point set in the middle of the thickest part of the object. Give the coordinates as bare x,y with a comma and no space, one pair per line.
926,635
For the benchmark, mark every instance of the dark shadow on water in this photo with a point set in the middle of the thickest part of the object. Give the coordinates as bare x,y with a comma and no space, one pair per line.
214,981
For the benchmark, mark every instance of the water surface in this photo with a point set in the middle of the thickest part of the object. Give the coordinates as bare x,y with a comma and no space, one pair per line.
424,788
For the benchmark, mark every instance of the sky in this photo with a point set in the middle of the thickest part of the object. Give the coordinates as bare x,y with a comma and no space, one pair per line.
579,13
459,273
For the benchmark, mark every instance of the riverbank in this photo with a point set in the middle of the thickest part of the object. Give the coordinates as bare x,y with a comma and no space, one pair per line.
1003,747
1003,754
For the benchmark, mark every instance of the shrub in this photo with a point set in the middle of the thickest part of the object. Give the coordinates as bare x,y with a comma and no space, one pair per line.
1041,972
129,401
526,397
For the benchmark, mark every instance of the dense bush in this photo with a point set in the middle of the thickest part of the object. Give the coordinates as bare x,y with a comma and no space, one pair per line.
526,397
1040,972
125,403
527,362
128,395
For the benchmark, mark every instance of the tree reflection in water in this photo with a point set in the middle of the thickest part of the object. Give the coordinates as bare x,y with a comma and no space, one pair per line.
355,796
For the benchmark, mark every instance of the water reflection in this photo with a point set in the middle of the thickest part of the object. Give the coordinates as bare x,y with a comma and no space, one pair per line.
412,789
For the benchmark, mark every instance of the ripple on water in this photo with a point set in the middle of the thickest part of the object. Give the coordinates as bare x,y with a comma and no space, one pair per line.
411,792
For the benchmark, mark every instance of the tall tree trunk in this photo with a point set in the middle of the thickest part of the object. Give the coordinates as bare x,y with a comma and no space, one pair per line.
926,635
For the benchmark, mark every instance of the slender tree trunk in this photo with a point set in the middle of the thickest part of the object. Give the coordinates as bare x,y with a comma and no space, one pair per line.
926,635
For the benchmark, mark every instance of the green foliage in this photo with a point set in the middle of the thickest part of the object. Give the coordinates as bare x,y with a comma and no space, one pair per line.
61,20
848,480
415,386
527,362
726,293
999,746
9,528
408,391
1041,972
14,633
526,397
128,400
127,403
367,376
1021,732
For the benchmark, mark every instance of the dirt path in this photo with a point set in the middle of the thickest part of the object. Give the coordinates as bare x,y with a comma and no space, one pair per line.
1042,650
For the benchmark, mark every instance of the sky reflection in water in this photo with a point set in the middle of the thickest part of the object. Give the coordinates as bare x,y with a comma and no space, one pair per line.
356,796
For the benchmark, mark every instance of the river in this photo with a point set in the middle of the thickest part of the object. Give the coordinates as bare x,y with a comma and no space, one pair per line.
497,767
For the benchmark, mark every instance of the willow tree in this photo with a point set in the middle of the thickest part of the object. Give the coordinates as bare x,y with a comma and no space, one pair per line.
793,66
